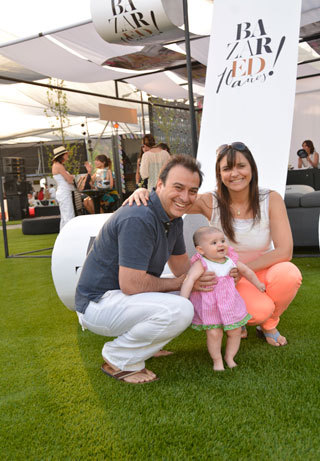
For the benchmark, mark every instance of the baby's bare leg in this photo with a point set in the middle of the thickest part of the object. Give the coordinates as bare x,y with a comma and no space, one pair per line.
232,347
214,340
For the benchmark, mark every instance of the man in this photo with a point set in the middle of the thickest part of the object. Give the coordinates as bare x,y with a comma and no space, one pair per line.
120,292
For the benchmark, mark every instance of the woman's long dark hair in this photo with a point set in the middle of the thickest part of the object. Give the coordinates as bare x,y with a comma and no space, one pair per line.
309,144
105,160
58,159
223,196
148,140
141,154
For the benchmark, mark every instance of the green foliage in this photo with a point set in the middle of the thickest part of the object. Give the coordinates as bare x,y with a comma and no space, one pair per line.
56,404
171,126
57,111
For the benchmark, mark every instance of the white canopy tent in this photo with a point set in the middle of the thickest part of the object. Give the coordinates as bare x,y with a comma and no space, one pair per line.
76,54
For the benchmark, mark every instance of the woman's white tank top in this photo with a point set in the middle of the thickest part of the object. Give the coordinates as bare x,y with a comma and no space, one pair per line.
252,238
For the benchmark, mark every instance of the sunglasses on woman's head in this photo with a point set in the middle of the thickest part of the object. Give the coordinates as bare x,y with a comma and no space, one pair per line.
235,145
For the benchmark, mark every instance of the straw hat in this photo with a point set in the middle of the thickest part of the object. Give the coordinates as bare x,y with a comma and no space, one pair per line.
59,151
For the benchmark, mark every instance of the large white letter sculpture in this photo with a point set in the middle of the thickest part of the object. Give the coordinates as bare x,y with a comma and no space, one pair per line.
70,251
250,85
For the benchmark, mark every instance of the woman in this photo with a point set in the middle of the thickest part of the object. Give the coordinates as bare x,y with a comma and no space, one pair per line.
65,185
256,224
101,179
139,181
152,162
147,143
312,160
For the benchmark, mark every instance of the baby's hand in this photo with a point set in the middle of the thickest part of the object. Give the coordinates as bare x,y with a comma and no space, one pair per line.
262,287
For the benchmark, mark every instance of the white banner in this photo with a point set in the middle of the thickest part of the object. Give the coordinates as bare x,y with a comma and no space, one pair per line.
250,85
137,21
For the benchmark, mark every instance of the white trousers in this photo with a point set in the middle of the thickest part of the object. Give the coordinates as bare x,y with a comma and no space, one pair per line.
143,324
65,203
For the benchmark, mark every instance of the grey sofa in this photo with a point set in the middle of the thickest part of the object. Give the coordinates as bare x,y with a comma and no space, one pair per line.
303,212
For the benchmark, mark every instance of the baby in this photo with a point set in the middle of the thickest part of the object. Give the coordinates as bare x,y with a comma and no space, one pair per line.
222,308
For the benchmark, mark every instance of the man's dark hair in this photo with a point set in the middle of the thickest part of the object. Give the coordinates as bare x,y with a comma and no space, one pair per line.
184,160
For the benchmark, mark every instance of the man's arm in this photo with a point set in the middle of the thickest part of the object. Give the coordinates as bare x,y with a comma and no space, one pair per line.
134,281
179,264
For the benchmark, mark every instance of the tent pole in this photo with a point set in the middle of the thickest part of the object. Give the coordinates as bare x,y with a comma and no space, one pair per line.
43,34
194,139
89,93
3,218
142,115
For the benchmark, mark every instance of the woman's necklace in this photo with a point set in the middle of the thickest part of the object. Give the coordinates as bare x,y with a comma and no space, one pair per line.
238,211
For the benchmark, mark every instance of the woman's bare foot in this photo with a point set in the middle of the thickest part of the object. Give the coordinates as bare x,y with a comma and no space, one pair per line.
162,353
274,338
218,364
230,362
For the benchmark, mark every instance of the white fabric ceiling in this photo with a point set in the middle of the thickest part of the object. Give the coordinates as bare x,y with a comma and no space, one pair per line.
46,57
76,54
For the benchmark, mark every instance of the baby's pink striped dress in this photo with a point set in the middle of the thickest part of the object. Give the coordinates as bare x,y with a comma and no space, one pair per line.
223,307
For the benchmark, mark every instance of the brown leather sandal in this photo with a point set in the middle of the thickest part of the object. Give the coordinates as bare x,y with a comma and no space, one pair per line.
121,375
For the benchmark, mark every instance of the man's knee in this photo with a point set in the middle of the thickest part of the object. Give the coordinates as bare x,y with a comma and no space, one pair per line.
185,312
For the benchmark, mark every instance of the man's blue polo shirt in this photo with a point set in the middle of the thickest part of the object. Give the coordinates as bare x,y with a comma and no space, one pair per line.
136,237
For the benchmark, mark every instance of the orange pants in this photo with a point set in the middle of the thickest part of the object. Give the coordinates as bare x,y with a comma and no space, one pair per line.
282,282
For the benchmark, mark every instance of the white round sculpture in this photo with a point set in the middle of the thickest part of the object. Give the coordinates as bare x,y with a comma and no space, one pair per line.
69,252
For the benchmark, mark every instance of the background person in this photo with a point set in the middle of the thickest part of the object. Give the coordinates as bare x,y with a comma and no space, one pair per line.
312,159
31,199
52,192
222,309
65,185
139,181
152,162
256,224
120,292
40,194
101,179
147,143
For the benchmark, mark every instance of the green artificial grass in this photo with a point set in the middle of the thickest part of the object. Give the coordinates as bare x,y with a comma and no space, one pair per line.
56,404
13,223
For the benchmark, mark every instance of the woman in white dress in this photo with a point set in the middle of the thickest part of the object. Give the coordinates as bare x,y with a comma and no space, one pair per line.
65,185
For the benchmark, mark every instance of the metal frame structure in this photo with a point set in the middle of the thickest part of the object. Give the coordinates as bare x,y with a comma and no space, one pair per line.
192,109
